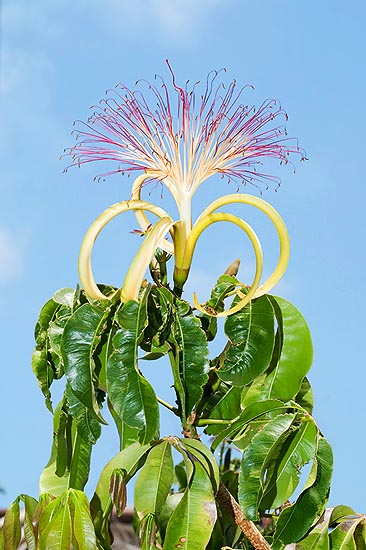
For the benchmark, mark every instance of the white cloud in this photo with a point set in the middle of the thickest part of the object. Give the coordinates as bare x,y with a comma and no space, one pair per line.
178,19
10,257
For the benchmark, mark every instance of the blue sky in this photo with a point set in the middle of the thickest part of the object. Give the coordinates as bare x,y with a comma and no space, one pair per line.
57,59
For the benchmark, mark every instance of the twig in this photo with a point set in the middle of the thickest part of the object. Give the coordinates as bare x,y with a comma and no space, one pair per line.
247,527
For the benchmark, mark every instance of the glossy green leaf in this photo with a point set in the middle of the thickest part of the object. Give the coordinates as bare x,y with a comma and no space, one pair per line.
41,366
184,529
190,356
203,454
131,395
155,480
252,412
283,474
127,435
227,407
295,521
223,287
88,426
79,340
255,456
305,397
296,351
251,333
83,529
75,453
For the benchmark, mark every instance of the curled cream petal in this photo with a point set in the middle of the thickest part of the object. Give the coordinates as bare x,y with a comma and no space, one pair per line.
198,228
136,272
277,222
140,214
85,268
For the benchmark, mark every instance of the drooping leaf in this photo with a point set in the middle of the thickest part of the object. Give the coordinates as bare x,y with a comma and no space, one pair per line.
80,337
88,426
30,518
255,456
251,334
57,531
296,351
69,464
11,527
305,397
41,365
295,521
190,356
203,454
131,395
283,474
155,480
184,530
130,459
83,529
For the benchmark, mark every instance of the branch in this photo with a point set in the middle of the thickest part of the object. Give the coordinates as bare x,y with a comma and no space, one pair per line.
247,527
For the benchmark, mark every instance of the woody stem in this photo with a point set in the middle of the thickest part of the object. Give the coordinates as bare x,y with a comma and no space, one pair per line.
246,526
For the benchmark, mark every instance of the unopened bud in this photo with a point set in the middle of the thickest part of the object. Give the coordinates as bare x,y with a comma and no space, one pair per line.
233,268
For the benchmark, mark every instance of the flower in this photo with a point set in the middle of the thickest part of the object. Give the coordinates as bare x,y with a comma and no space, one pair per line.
180,137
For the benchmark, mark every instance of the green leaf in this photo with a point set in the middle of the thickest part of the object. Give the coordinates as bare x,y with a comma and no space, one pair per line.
83,529
317,539
11,527
155,480
130,460
253,412
69,464
296,520
305,397
341,538
203,454
255,456
30,519
283,474
251,333
190,352
127,435
131,395
57,534
80,337
88,426
340,512
296,351
191,524
223,287
227,408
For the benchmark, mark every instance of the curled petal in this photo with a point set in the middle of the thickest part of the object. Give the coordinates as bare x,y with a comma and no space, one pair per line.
198,228
141,216
85,268
277,221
